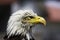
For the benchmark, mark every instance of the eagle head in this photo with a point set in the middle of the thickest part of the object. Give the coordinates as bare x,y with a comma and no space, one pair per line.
21,21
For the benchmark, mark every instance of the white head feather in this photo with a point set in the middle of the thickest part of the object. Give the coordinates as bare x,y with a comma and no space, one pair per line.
14,26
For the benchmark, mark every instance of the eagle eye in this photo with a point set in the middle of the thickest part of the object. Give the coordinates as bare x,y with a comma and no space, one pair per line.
31,17
28,17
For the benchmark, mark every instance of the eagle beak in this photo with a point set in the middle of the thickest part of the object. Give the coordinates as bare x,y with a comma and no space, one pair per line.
38,19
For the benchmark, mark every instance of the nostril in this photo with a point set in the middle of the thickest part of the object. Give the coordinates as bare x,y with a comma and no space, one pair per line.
38,18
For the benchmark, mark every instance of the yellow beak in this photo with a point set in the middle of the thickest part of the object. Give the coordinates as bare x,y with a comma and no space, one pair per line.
38,19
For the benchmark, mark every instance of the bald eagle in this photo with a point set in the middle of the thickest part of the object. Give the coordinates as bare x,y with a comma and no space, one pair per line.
20,24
